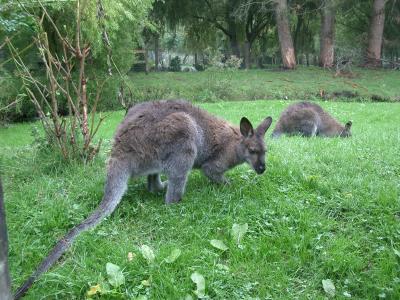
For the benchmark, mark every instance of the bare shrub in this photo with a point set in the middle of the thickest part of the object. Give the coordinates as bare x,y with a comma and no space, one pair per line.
65,82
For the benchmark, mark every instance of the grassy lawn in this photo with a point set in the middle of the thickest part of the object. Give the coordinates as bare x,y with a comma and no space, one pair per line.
303,83
324,209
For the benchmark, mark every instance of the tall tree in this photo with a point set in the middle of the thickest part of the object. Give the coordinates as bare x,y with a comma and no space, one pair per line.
327,34
306,24
256,18
285,37
241,21
375,35
5,283
391,44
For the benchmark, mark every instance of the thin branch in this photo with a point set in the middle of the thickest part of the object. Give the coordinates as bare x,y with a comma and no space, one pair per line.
19,53
101,16
15,102
215,22
93,112
78,30
55,26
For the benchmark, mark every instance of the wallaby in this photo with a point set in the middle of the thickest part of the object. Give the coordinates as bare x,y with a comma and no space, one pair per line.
5,282
309,119
169,137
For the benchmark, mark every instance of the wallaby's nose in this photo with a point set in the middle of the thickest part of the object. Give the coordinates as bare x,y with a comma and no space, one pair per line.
260,169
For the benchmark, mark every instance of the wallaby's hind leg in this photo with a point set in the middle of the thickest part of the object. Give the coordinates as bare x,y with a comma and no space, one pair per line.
308,129
154,183
314,130
178,168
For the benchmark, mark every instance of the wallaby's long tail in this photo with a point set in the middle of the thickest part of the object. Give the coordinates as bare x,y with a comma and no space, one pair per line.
114,189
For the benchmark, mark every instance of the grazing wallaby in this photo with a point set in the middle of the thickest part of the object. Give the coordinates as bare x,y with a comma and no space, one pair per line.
309,119
5,282
169,137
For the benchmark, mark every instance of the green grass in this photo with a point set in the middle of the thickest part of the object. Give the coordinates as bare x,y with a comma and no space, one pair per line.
324,209
304,83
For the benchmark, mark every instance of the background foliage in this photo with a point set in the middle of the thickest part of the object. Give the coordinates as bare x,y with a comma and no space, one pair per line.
201,33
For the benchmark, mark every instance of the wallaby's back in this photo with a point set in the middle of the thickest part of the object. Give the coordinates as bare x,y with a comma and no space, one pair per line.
151,130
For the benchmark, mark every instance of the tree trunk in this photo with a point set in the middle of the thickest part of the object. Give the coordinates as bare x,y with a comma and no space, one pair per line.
327,35
246,54
5,282
285,38
299,26
376,34
232,34
156,52
235,47
263,50
146,60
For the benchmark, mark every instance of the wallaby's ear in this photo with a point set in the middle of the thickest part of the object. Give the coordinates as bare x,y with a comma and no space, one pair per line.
348,125
263,127
246,128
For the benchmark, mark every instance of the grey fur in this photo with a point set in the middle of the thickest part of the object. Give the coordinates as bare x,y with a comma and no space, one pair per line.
309,119
171,138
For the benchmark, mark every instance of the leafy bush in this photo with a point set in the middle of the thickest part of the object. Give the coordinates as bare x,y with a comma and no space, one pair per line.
111,89
219,62
199,67
123,25
233,62
14,104
175,64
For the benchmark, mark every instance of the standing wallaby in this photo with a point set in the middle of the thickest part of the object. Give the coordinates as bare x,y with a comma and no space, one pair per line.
309,119
169,137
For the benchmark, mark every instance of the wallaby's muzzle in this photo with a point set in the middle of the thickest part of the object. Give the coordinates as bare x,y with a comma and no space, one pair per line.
260,168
